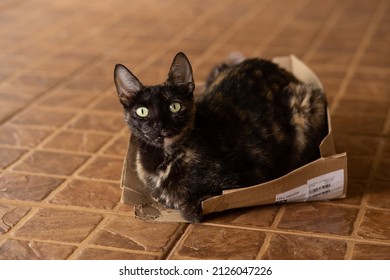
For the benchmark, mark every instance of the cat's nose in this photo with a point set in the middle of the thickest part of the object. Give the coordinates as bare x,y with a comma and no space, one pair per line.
157,126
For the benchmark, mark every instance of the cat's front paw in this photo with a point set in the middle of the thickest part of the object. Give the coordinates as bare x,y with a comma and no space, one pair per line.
163,201
192,212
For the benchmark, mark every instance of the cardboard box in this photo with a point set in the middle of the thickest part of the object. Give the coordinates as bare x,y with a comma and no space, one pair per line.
322,179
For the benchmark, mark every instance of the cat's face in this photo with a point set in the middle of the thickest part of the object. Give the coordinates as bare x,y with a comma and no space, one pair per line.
158,115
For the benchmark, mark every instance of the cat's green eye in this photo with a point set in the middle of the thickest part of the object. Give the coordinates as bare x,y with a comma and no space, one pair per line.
142,112
175,107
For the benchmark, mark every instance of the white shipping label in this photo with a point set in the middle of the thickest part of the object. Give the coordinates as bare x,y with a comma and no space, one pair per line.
294,195
327,186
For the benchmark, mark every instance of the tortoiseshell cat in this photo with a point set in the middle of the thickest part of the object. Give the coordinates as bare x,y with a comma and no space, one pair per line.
256,122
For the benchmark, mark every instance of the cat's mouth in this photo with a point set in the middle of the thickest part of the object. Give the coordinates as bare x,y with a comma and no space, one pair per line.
164,138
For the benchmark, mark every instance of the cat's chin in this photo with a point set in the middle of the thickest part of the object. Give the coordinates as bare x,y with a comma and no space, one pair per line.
157,142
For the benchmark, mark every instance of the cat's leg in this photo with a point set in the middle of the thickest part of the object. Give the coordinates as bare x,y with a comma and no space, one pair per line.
192,211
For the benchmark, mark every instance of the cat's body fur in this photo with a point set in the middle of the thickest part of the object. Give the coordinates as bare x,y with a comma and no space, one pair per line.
254,123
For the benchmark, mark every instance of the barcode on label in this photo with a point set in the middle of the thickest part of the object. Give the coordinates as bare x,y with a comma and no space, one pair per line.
320,189
321,193
326,186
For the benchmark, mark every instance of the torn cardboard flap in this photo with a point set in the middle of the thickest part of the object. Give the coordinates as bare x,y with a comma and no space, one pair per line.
322,179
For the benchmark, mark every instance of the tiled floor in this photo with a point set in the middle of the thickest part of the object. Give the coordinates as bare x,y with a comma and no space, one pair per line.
63,138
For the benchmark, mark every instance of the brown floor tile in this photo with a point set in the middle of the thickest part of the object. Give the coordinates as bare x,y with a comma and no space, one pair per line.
375,225
129,233
331,57
354,106
59,225
354,193
7,110
98,122
24,92
9,155
102,254
356,145
252,217
38,116
106,168
378,195
22,136
32,250
89,194
109,104
386,149
359,167
378,59
382,172
118,148
371,252
77,141
10,216
38,82
364,124
51,163
207,242
293,247
318,217
71,100
90,83
27,187
364,88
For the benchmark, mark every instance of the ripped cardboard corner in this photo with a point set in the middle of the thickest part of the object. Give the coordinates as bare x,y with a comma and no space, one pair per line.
322,179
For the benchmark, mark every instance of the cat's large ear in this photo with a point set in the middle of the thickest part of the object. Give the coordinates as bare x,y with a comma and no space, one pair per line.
127,85
180,72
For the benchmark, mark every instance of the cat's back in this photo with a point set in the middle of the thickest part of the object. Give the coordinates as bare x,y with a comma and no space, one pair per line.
259,115
245,93
251,82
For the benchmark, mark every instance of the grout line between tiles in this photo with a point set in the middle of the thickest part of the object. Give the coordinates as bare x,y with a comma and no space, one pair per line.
182,229
85,242
178,242
90,246
345,238
64,177
54,206
349,251
264,247
274,225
